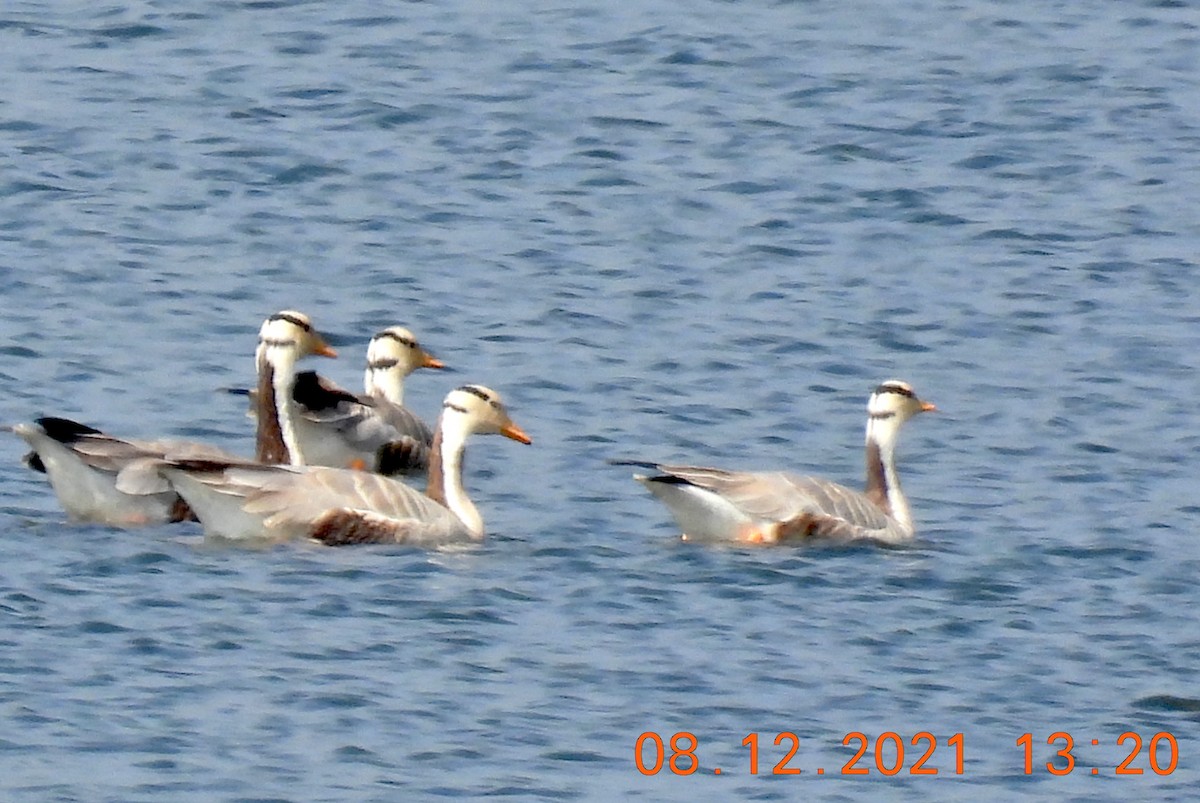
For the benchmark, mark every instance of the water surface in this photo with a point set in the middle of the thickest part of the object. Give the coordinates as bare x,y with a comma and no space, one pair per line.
674,231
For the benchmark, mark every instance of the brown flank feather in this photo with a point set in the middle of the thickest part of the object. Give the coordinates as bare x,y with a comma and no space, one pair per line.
342,527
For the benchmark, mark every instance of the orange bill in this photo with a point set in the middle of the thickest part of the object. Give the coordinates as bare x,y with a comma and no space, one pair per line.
321,348
511,430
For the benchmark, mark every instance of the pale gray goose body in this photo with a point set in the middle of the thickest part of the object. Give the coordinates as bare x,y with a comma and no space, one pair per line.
83,463
712,504
335,506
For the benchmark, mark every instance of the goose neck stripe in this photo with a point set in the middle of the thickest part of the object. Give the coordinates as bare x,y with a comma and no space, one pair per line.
455,407
292,319
881,416
277,341
380,365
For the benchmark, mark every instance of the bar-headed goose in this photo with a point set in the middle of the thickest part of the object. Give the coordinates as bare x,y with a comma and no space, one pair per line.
337,506
774,507
374,431
83,463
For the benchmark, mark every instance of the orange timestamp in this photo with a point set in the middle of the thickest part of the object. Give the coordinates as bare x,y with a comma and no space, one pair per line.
887,755
679,754
1162,753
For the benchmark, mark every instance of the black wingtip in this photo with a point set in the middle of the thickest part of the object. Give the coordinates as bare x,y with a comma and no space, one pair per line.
64,430
669,479
311,391
635,463
666,479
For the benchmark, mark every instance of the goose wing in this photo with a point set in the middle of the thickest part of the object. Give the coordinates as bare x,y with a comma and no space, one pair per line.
137,465
106,453
370,424
340,506
85,467
88,445
339,427
402,420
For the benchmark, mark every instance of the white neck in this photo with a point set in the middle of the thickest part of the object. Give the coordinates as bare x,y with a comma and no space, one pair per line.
451,449
882,479
385,382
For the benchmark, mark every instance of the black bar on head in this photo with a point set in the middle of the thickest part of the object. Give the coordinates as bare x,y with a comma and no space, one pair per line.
292,319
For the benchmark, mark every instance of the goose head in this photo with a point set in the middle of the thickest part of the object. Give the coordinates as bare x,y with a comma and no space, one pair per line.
892,403
392,355
292,332
287,336
474,409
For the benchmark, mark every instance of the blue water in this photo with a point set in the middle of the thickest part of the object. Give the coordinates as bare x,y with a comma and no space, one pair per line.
693,232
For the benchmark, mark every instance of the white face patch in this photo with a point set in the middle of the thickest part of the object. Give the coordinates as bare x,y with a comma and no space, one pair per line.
283,330
884,405
893,398
482,406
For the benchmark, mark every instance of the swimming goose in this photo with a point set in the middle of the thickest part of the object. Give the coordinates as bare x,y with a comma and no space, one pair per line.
337,506
375,431
82,463
773,507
